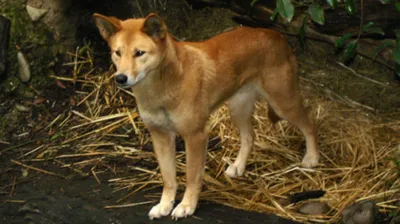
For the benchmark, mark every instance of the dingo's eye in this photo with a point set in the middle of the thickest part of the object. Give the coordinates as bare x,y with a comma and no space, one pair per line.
118,53
139,53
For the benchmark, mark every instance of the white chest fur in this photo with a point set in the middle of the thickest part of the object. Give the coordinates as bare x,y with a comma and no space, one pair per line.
156,118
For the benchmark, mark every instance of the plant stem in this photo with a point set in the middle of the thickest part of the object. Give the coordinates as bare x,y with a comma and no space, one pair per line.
361,20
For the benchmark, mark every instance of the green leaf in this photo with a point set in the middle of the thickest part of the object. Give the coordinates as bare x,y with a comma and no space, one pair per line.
274,14
397,32
368,25
340,42
350,6
253,2
397,6
302,30
370,29
397,69
317,13
350,50
285,9
396,54
376,30
332,3
55,136
383,46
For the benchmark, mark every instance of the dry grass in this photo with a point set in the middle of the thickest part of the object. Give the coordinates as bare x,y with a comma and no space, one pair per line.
105,126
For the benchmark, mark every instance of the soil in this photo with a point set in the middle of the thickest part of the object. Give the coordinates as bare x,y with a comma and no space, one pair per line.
47,199
39,198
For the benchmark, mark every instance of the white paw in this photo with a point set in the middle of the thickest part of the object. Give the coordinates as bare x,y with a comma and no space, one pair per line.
310,160
235,170
160,210
182,211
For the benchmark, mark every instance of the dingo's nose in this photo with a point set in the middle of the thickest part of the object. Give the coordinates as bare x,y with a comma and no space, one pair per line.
121,79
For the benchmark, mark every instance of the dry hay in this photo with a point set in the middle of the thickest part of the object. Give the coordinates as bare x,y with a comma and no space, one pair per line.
354,147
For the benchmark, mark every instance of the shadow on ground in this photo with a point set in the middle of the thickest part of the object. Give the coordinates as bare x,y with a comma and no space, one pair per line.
47,200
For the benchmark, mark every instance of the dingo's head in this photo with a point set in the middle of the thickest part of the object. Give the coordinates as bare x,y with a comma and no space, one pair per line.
137,46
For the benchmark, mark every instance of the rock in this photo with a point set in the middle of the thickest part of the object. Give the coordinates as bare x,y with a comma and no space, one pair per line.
35,13
22,108
362,212
4,38
395,220
314,208
24,70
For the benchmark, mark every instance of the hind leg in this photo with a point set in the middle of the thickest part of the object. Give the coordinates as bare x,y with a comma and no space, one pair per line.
285,100
241,107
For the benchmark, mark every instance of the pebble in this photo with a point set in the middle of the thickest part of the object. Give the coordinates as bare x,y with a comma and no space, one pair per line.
35,13
314,208
22,108
362,212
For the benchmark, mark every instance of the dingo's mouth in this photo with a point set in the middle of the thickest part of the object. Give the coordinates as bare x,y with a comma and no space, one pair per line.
132,82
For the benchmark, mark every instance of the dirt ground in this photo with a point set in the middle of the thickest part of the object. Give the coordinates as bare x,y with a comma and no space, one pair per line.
46,199
27,196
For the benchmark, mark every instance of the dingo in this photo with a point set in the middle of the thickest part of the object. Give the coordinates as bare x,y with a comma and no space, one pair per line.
178,84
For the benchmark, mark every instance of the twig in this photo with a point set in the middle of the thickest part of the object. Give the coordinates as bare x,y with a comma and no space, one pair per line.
76,66
95,175
19,145
344,100
13,187
32,151
133,192
361,20
128,205
140,8
361,76
37,169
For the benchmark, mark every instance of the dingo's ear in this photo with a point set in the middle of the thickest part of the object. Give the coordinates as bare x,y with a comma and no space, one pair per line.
107,26
155,27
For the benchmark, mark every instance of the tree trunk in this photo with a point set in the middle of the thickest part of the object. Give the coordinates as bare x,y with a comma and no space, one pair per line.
4,38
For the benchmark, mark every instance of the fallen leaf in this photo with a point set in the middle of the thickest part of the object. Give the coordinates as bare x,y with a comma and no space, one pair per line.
72,101
51,132
39,100
60,84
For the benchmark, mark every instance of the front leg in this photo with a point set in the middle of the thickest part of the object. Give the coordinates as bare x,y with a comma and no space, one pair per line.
195,162
164,147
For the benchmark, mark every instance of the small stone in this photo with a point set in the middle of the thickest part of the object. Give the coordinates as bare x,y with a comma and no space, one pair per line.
314,208
22,108
34,13
284,201
362,212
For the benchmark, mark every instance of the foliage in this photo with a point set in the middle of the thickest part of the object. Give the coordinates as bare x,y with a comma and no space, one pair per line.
317,13
286,8
350,6
302,30
351,47
350,50
332,3
395,46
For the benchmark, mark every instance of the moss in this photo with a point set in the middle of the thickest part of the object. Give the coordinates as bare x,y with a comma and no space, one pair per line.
34,38
40,49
